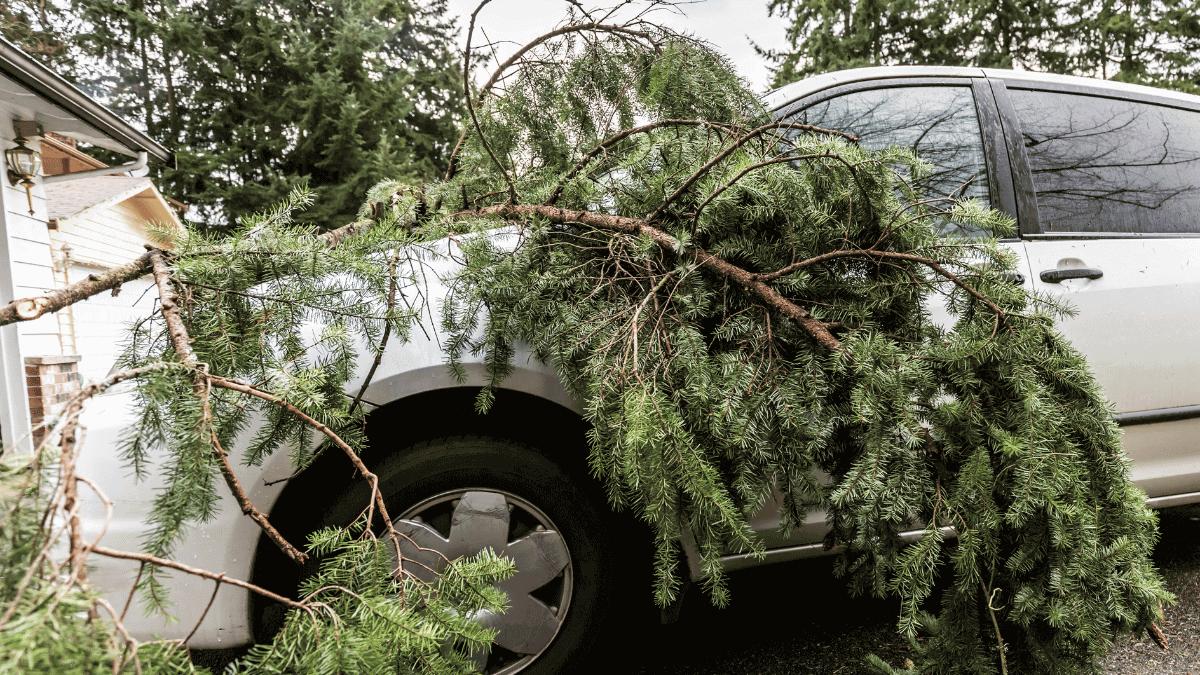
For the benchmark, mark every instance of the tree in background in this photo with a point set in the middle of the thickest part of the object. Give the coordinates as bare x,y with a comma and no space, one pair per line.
40,29
257,98
1146,41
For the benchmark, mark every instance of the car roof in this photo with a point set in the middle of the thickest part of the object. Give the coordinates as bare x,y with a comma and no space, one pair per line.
790,93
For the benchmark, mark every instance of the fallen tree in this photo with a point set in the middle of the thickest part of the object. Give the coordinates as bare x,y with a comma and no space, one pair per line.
737,302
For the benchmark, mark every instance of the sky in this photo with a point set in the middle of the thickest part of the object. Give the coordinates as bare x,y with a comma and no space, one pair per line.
730,25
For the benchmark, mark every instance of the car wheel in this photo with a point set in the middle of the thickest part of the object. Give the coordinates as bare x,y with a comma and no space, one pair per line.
458,496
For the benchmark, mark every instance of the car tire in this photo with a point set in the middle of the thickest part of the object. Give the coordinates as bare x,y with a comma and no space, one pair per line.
450,494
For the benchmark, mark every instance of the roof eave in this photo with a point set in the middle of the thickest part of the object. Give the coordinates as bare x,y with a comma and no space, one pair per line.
51,86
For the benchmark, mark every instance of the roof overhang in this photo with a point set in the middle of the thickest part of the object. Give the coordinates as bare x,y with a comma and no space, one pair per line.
64,109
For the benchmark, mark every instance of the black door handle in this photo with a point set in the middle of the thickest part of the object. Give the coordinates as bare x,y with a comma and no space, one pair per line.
1013,277
1055,276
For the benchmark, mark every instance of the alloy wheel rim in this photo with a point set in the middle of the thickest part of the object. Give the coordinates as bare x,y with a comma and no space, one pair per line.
464,522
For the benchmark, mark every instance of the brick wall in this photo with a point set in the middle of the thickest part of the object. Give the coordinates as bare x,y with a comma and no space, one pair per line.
51,380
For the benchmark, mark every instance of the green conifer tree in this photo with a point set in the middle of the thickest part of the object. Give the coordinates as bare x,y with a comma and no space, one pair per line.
39,28
1146,42
256,98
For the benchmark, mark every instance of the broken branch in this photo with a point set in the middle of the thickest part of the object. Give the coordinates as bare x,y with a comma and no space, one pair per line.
28,309
817,329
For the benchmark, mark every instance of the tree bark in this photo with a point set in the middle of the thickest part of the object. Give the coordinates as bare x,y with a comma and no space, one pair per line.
28,309
749,282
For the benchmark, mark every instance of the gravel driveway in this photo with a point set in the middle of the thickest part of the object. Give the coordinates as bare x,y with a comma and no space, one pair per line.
780,621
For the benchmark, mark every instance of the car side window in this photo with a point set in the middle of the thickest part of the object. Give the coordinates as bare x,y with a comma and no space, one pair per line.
939,123
1111,165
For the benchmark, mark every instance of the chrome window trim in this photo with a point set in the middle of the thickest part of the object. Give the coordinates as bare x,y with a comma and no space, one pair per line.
791,93
1069,84
1157,415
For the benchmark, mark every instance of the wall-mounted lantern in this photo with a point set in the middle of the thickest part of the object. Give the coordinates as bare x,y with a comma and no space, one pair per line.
23,164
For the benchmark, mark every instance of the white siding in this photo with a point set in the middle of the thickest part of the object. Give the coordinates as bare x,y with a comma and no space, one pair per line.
102,321
109,236
31,265
103,238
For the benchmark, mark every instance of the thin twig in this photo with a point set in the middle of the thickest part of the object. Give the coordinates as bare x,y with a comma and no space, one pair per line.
377,497
752,167
487,86
699,173
617,138
211,598
996,626
195,571
512,188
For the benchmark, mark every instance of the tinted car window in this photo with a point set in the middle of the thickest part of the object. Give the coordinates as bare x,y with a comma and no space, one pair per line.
1107,165
938,123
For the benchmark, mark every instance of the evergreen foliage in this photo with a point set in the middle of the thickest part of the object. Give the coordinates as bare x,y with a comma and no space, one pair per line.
39,28
383,625
275,307
1141,41
289,314
40,605
358,617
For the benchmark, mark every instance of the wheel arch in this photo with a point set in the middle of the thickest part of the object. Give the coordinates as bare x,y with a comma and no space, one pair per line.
529,419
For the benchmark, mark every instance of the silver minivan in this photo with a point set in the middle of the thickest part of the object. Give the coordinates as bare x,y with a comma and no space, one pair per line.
1103,180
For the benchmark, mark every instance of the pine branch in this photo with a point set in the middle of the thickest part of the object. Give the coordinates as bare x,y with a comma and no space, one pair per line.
198,572
747,281
512,188
893,255
28,309
371,478
733,147
1156,634
573,28
757,165
620,136
168,304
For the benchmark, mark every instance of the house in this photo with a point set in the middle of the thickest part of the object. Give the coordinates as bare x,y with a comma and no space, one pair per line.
71,218
96,224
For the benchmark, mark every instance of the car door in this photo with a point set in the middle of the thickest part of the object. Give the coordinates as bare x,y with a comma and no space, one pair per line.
949,121
1115,232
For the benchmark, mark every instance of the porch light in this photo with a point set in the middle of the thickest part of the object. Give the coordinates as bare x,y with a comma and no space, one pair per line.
23,164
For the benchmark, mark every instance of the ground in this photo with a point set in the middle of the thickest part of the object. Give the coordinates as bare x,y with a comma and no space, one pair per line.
781,622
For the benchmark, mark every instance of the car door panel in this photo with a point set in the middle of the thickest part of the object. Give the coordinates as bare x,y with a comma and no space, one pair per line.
1114,235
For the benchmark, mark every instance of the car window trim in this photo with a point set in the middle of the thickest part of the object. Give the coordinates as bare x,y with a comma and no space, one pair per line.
995,152
1157,415
1099,92
1029,220
1000,186
863,85
1111,235
1018,161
